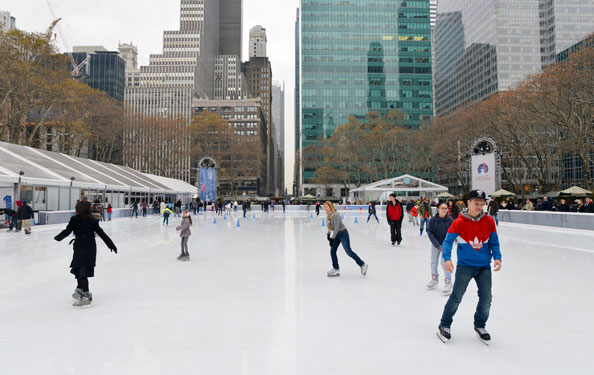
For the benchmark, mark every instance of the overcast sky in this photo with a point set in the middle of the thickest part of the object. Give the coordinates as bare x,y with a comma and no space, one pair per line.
142,22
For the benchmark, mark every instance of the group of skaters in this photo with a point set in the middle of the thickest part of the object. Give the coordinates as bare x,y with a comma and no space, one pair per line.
477,245
20,219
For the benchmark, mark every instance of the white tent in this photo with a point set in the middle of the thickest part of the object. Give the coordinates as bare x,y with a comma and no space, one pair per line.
411,185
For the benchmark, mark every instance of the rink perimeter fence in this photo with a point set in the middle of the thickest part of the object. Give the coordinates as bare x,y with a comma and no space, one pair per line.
550,219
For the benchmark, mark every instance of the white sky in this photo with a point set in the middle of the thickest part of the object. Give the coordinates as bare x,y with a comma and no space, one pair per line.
142,22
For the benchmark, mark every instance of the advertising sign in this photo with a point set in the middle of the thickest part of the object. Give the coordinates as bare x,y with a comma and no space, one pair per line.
208,184
484,172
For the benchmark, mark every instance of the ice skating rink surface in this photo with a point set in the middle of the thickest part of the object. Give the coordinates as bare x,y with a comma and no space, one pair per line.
256,300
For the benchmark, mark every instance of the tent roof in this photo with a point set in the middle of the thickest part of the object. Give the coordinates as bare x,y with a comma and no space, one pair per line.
41,167
402,183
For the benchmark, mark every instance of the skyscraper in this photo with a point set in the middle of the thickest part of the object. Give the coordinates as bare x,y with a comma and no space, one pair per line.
257,45
360,57
486,46
297,117
7,22
230,27
106,69
129,53
278,119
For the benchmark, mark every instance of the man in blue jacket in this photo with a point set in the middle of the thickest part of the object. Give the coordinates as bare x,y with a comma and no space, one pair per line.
478,243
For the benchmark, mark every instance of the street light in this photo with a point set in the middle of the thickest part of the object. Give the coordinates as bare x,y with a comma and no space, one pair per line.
70,193
17,194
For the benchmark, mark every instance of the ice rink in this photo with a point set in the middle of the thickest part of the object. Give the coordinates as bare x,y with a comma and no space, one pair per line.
256,300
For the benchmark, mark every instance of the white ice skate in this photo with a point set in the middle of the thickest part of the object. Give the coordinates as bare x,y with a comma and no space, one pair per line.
364,268
433,283
78,293
85,301
333,272
447,288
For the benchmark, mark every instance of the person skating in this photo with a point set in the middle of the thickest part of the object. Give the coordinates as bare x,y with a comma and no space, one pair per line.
82,266
414,211
394,215
109,211
185,234
338,234
166,212
478,243
493,210
12,217
372,211
25,215
437,231
134,209
318,208
424,213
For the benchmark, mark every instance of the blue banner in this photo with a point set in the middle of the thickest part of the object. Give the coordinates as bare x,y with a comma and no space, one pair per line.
208,184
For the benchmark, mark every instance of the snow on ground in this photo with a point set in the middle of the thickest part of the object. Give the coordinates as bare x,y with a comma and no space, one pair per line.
256,300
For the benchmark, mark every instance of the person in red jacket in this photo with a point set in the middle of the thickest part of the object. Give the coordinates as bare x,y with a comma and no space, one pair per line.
395,215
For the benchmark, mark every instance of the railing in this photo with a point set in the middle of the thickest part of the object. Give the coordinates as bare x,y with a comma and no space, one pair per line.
549,218
61,217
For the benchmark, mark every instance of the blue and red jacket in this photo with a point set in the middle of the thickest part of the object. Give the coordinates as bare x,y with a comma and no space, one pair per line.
478,242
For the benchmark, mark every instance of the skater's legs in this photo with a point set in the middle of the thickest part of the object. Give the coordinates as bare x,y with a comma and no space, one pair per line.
483,282
346,244
463,277
393,231
83,283
423,221
376,217
333,256
399,231
369,216
184,246
435,255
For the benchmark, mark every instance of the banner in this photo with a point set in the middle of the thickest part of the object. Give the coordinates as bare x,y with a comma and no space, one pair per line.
208,184
484,173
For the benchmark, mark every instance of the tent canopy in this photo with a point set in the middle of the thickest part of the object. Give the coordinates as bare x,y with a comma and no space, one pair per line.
446,195
404,183
576,191
502,193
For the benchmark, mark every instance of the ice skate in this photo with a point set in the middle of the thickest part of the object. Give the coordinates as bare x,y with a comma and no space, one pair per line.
447,288
483,335
333,272
433,283
85,301
364,268
181,257
78,293
444,334
186,257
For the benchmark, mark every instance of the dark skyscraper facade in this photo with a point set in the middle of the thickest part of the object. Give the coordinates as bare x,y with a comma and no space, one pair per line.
363,56
107,72
230,32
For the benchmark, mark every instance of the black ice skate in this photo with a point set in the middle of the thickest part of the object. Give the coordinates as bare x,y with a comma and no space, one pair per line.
483,335
78,293
444,334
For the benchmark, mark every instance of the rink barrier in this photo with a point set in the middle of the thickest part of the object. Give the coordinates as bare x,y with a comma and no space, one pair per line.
548,218
62,217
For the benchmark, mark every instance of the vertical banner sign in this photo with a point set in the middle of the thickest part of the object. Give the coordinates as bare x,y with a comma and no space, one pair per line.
484,173
208,184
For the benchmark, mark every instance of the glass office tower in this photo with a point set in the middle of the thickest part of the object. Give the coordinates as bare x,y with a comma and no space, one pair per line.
360,56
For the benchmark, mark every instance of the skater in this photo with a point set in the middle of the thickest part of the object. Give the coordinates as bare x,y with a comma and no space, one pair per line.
318,208
409,207
284,203
244,207
437,231
109,211
371,210
414,212
337,234
12,217
424,213
25,215
82,266
394,215
144,207
185,233
494,209
453,210
134,209
478,243
166,212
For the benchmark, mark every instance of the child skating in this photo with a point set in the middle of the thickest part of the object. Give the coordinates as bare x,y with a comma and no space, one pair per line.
185,233
166,212
82,266
478,243
337,234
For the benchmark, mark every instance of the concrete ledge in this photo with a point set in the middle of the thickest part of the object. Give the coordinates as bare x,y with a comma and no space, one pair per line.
549,219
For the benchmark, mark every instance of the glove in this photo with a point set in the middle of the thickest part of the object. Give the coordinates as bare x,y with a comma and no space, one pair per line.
330,240
115,250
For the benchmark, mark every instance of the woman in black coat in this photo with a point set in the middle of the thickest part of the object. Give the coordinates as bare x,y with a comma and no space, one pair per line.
82,267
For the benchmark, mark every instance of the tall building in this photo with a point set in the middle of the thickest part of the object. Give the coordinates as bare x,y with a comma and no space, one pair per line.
278,119
360,57
257,46
230,27
7,22
106,70
229,79
297,117
486,46
129,53
185,70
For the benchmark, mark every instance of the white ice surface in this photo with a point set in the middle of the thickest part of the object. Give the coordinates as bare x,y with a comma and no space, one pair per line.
256,300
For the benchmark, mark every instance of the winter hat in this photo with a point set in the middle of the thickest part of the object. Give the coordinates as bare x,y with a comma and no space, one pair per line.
477,194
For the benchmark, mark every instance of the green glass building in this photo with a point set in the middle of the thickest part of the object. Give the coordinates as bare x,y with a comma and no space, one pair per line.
359,56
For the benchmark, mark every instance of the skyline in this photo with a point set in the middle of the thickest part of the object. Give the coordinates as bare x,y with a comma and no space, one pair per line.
131,24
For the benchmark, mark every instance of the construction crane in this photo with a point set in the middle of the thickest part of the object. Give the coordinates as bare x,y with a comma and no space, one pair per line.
79,71
50,30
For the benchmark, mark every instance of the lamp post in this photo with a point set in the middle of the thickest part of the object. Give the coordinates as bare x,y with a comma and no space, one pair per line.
17,195
70,193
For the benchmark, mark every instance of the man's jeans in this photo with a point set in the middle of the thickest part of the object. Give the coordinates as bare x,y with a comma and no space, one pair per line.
424,223
496,220
343,238
437,257
464,274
